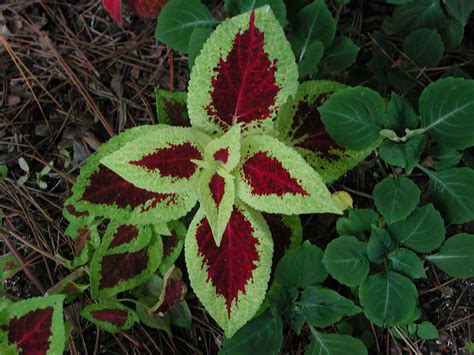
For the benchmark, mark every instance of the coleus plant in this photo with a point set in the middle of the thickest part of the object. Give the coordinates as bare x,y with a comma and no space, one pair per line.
248,154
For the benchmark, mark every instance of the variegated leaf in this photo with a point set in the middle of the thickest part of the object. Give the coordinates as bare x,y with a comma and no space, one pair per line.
299,123
171,108
225,150
245,72
217,196
99,191
274,178
172,245
110,316
162,161
230,280
174,290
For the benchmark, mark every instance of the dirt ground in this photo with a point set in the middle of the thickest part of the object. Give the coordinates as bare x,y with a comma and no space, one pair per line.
70,79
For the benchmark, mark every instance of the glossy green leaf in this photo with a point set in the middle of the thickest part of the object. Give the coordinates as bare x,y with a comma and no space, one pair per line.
236,7
460,9
427,331
407,263
301,267
415,15
196,42
404,155
346,260
424,47
313,23
334,344
452,193
423,231
358,221
452,33
341,54
379,245
323,307
456,256
445,158
310,61
400,115
396,197
354,117
388,298
178,20
446,110
262,335
299,124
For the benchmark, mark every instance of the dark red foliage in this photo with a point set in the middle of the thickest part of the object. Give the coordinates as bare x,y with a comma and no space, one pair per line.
114,8
170,242
310,130
124,234
174,161
222,155
175,291
122,267
244,88
177,113
31,332
281,235
267,176
217,187
70,288
108,188
116,317
229,266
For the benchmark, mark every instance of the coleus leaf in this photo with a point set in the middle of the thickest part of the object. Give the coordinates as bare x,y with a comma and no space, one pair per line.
276,179
225,150
217,197
35,325
110,316
299,123
172,245
171,108
112,271
86,239
8,266
114,9
147,8
99,191
245,72
162,160
122,238
230,280
174,290
287,234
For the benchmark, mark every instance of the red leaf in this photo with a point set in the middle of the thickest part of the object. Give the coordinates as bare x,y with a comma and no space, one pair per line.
222,155
31,332
217,187
124,235
113,316
147,8
267,176
169,244
124,266
310,128
175,291
114,9
177,113
281,235
231,265
244,88
174,161
108,188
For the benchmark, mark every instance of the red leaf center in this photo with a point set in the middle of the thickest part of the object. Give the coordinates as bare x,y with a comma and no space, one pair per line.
244,89
222,155
122,267
31,332
113,316
217,187
174,161
124,234
231,265
267,176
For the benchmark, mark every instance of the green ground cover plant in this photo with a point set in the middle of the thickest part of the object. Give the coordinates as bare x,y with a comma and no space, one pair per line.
255,142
